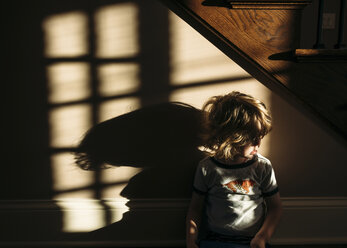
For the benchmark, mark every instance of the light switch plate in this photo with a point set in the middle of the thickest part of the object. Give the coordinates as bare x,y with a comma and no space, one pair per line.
328,21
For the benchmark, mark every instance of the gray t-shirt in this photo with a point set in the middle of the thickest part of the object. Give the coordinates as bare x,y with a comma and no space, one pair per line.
235,194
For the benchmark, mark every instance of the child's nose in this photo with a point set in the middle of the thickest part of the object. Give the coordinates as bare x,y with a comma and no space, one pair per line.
255,150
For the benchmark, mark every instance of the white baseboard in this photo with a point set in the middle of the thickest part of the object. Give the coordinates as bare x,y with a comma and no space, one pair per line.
313,220
152,222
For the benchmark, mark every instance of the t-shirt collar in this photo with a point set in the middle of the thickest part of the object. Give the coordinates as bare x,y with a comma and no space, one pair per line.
234,166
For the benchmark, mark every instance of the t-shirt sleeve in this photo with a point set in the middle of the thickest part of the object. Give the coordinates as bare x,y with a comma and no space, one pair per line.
269,185
200,185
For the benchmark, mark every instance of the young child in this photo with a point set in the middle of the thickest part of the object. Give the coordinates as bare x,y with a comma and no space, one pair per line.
235,185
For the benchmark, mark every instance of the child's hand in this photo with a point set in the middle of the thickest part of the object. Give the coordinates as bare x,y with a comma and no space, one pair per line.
258,242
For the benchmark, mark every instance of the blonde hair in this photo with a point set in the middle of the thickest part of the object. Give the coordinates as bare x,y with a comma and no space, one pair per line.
233,121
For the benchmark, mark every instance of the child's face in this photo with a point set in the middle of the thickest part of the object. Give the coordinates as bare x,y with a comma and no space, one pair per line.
250,150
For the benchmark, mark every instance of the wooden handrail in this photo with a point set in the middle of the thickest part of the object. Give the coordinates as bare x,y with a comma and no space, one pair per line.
321,55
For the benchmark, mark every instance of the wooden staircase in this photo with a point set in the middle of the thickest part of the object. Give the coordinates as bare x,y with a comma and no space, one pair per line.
263,38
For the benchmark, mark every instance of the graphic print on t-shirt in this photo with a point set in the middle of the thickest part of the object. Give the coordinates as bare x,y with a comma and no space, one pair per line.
240,186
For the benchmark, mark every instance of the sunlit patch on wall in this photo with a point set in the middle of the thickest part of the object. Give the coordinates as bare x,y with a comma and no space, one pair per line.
67,176
118,78
84,215
68,124
116,30
67,38
68,82
65,35
117,107
75,194
195,59
118,208
117,178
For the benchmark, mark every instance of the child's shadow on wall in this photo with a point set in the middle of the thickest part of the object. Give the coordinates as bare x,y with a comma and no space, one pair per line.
163,140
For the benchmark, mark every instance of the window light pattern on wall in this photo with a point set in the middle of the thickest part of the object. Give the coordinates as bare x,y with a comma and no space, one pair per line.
83,90
90,83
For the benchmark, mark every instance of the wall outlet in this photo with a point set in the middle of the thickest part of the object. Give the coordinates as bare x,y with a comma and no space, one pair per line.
328,21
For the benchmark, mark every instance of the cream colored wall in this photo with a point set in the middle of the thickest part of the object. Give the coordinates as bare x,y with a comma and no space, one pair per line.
308,161
193,61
